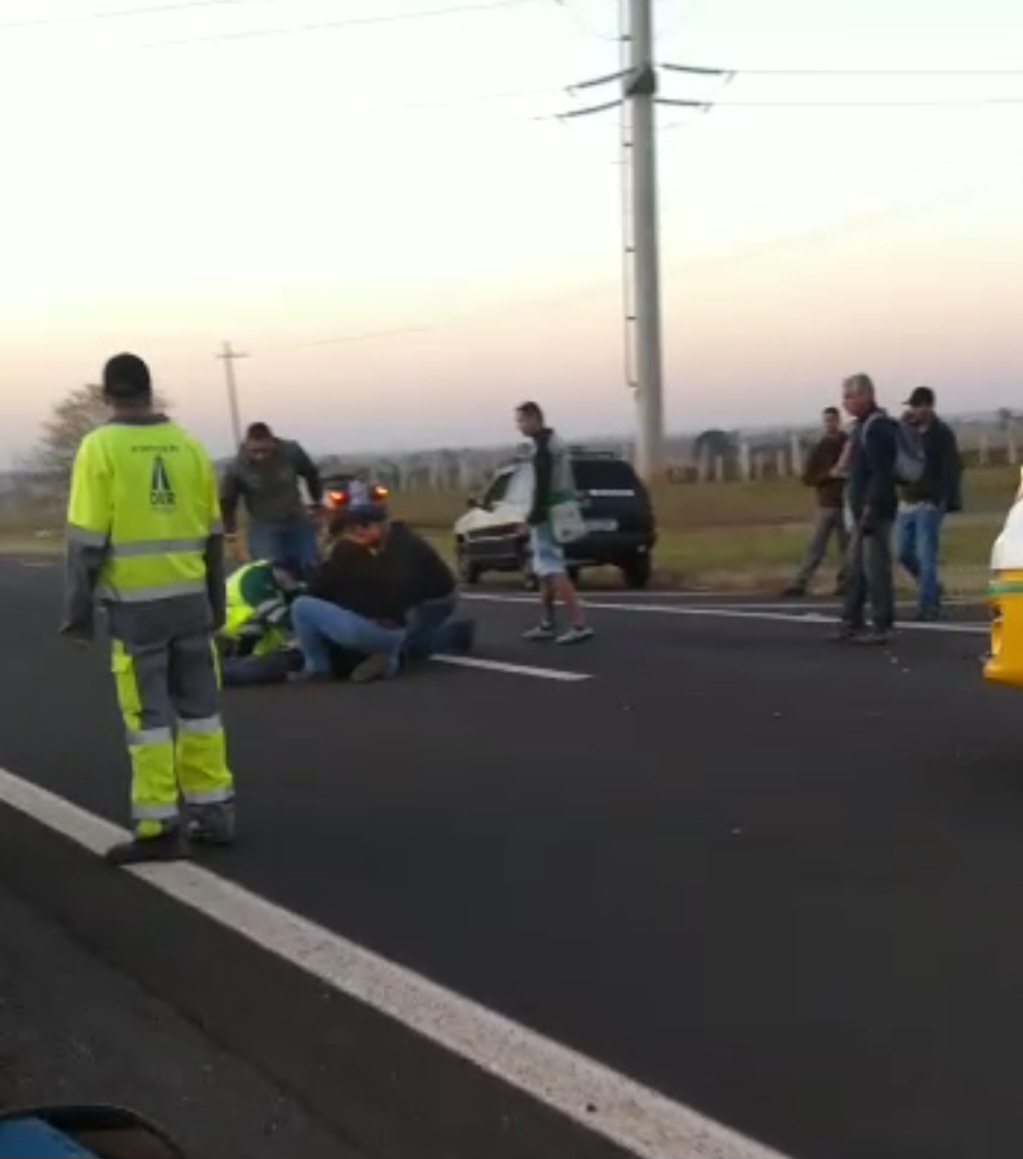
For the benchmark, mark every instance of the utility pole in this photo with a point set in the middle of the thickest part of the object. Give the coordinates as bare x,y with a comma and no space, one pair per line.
639,92
642,279
228,355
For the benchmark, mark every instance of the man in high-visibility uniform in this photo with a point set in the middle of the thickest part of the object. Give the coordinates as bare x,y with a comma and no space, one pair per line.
259,598
145,540
256,640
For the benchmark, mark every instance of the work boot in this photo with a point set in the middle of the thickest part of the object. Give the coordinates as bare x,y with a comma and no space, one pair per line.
213,824
170,845
376,667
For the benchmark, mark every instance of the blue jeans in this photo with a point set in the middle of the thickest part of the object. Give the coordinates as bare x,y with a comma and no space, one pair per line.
291,544
919,537
427,626
318,624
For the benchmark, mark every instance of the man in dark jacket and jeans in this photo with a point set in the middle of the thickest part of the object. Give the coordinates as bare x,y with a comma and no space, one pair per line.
823,475
265,478
872,495
926,502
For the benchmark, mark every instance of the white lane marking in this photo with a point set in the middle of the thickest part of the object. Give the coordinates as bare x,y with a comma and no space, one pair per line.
744,600
735,613
37,563
514,669
632,1116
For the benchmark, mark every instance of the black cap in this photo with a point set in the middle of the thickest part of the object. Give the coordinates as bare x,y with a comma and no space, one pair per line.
126,377
921,396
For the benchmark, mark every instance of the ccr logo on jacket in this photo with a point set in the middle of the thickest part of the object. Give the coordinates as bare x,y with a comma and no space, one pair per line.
162,494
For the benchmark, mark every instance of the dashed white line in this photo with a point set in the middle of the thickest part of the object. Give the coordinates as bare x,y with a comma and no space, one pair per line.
634,1117
513,669
741,613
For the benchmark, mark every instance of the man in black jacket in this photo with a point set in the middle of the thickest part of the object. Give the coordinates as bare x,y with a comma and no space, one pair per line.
355,604
823,475
926,502
872,497
429,594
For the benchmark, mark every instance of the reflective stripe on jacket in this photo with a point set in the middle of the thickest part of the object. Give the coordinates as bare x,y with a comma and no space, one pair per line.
146,495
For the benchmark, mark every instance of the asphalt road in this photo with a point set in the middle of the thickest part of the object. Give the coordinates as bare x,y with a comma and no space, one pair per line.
775,879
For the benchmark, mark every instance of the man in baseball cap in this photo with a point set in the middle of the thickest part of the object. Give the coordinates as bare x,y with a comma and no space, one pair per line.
925,503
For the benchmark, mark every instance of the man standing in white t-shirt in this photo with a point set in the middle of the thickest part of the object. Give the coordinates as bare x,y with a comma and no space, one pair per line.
552,479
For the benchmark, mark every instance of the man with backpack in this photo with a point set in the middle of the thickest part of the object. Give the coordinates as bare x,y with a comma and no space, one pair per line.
882,455
926,501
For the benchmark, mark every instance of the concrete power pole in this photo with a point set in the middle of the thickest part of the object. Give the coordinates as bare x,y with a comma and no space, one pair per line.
642,278
228,355
639,92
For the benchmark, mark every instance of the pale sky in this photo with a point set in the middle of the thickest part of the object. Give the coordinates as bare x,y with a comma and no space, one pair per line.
170,181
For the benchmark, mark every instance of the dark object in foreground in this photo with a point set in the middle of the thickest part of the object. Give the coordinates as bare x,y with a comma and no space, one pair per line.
170,845
82,1132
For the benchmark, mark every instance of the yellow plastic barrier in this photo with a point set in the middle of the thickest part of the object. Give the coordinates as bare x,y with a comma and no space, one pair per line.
1005,598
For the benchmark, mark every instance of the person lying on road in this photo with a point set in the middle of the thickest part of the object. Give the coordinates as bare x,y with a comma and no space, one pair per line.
352,604
256,640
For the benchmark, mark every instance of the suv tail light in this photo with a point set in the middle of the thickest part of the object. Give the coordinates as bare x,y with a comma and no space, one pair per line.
380,493
336,498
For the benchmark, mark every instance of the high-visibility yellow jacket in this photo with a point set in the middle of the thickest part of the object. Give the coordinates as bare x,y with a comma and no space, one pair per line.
143,520
258,610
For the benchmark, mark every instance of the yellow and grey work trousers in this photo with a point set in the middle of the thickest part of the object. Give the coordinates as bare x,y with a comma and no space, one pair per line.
169,693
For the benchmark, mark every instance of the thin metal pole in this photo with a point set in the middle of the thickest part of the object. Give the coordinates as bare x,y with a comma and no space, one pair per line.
228,355
639,92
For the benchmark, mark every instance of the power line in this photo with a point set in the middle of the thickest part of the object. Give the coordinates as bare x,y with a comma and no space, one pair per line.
351,22
242,34
933,103
121,13
703,70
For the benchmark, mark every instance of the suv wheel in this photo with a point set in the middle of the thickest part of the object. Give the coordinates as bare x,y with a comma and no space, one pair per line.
468,572
637,571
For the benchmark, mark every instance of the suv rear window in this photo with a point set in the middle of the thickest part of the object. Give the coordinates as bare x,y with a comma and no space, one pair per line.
604,475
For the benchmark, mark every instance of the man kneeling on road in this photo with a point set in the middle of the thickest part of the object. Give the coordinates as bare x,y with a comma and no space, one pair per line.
429,594
256,639
352,605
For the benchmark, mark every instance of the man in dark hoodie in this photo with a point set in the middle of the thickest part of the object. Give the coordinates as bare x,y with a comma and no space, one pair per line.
265,478
926,502
823,475
872,496
353,605
429,594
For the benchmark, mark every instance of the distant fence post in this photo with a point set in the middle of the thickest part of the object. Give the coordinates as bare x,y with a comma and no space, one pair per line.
1011,446
982,449
745,463
719,468
782,461
797,454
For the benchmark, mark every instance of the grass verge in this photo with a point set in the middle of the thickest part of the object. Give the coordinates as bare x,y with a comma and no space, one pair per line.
741,537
